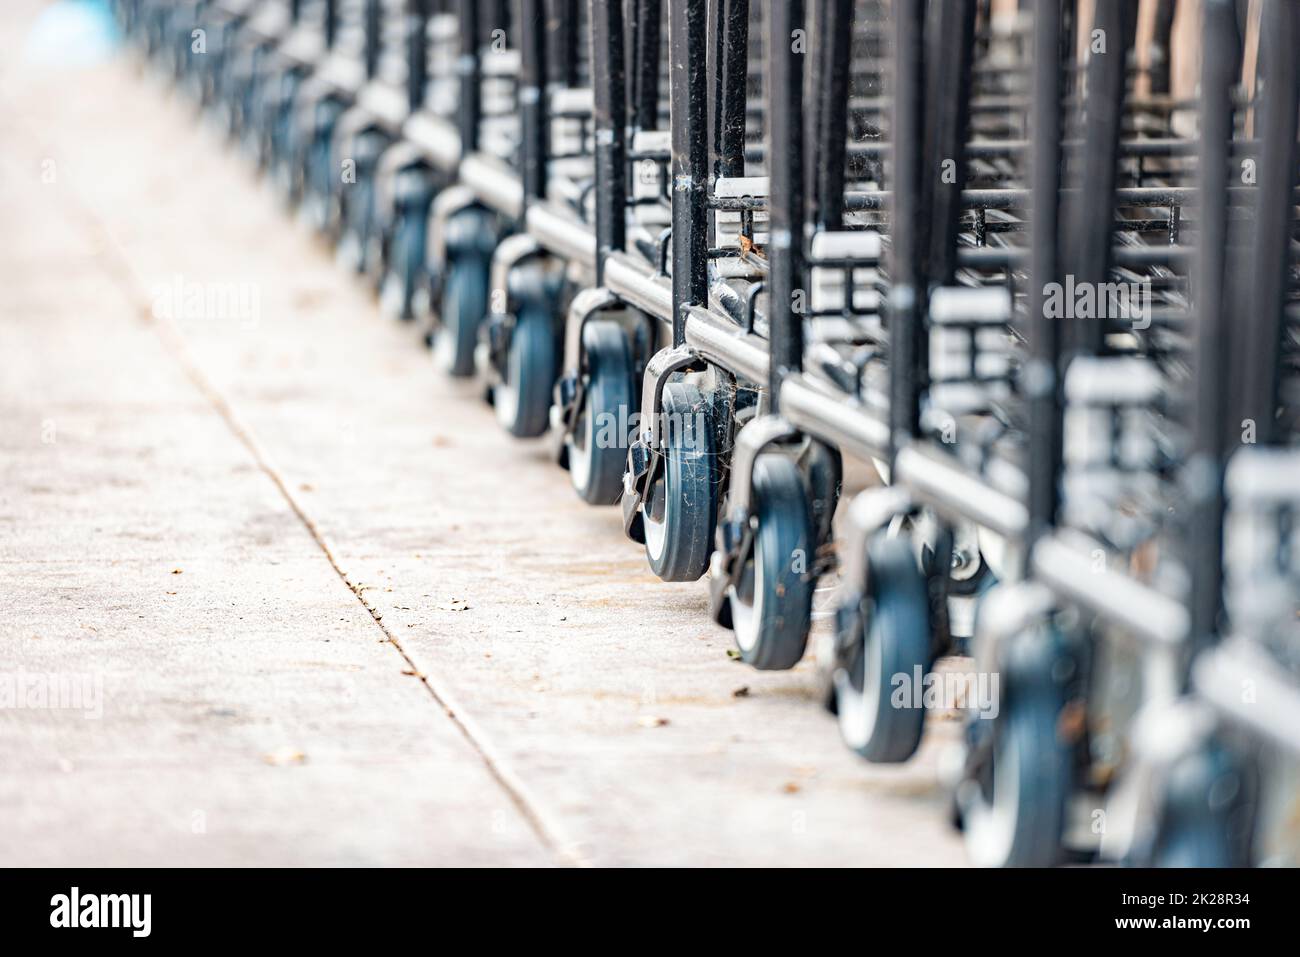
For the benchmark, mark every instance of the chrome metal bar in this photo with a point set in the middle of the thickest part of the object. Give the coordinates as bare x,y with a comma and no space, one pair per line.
938,479
385,101
562,235
436,137
1113,596
1273,710
829,417
721,341
637,283
493,183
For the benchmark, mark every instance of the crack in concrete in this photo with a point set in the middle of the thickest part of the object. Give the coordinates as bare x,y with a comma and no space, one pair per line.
118,266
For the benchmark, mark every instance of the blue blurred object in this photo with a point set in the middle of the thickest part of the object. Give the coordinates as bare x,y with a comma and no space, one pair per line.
72,33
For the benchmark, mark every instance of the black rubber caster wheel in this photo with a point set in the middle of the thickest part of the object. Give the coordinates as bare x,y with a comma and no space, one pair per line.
358,244
257,136
404,292
1014,807
403,289
319,176
283,137
884,635
522,398
681,507
1203,818
771,602
824,467
464,304
597,448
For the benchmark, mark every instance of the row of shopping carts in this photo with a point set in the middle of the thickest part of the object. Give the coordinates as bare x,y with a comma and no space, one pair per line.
1036,265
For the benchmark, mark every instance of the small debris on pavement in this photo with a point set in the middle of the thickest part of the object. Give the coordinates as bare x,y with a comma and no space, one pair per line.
284,756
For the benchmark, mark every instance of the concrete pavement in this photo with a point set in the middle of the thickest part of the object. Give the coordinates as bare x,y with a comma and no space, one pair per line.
335,614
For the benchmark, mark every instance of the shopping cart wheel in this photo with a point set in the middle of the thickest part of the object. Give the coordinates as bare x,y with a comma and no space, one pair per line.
1202,820
318,197
1193,846
680,509
597,447
357,245
825,469
315,198
403,285
405,290
228,108
771,602
522,398
257,136
249,103
882,636
464,304
1013,808
282,135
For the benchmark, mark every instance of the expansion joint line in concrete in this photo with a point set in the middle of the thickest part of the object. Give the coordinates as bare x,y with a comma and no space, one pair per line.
133,289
